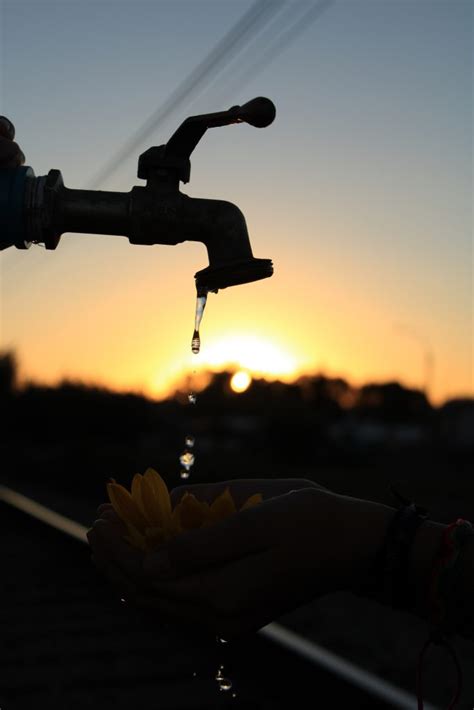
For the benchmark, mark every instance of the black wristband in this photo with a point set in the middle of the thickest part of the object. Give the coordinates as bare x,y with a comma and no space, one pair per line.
391,579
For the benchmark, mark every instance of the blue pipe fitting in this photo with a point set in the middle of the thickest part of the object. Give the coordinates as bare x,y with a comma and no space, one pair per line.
13,229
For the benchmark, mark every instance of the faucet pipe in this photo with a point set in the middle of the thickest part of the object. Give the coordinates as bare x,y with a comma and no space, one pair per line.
40,209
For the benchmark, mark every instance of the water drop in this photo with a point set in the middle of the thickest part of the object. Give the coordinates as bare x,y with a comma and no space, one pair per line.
225,684
219,675
194,674
234,695
221,640
200,305
189,441
184,474
192,398
124,601
196,342
186,460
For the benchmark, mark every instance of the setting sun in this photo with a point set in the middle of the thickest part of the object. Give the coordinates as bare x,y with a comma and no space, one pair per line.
240,381
251,353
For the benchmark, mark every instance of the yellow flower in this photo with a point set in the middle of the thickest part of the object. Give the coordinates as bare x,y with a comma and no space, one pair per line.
149,517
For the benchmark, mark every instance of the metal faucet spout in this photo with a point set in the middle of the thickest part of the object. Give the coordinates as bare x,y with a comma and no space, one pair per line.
40,209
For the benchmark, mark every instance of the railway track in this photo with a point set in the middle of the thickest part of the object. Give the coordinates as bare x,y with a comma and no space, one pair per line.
68,643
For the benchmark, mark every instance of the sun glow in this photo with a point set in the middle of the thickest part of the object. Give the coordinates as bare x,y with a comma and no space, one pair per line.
250,353
240,381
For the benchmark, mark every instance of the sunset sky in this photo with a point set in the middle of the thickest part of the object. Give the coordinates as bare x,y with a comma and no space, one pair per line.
360,192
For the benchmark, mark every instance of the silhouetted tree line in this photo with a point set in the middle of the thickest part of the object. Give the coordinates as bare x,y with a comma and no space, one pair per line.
272,427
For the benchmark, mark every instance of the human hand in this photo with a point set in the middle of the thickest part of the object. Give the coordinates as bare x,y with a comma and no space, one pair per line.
123,565
113,557
11,156
240,574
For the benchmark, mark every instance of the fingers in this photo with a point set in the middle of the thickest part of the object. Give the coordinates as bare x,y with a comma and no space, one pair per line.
112,517
106,541
7,129
11,155
239,535
123,585
242,488
102,508
239,598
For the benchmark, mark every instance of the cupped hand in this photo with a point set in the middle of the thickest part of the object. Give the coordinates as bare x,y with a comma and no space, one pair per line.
118,561
11,155
123,565
236,576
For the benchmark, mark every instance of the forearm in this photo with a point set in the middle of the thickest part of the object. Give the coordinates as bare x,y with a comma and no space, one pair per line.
370,523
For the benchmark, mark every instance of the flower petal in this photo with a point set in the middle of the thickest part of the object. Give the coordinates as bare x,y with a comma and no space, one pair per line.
125,506
253,500
135,538
152,508
161,494
137,493
223,506
191,512
175,528
154,537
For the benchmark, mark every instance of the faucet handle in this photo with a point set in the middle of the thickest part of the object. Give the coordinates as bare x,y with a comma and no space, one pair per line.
259,112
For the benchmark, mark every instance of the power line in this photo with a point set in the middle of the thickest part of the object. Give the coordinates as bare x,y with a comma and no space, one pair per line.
231,44
254,20
281,42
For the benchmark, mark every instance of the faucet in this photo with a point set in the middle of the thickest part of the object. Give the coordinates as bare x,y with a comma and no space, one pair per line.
40,209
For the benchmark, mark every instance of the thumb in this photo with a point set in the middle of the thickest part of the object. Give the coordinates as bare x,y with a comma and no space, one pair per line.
7,129
241,534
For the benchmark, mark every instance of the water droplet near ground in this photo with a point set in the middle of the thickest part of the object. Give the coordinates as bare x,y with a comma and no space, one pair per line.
184,474
192,398
189,441
225,684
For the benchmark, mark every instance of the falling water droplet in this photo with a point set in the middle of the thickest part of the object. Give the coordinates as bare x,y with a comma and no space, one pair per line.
189,441
194,674
200,305
196,342
123,600
186,460
234,695
221,640
225,684
192,398
184,474
219,675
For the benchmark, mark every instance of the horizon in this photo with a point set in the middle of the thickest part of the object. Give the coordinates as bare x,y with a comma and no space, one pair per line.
198,381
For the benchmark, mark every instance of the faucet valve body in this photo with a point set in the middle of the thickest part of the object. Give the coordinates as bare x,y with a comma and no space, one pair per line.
41,209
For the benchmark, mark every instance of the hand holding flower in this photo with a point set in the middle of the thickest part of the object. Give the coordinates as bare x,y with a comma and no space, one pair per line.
232,573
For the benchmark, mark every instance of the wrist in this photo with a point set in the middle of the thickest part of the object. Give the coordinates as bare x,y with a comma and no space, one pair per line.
367,523
424,552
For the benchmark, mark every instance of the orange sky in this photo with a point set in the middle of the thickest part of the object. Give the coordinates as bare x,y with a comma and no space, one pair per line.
360,192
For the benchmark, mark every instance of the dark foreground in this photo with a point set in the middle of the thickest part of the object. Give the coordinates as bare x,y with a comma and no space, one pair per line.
67,644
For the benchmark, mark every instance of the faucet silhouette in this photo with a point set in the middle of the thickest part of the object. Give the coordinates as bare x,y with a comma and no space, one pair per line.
40,209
